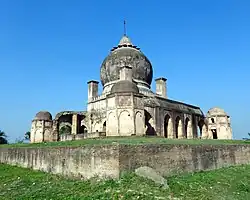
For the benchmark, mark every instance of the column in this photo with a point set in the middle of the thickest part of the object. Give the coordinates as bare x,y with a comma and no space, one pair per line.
74,124
170,128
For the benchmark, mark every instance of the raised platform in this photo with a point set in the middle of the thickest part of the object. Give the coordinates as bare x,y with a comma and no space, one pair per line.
113,159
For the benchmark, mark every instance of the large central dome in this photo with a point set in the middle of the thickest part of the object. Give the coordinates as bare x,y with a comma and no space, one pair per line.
126,54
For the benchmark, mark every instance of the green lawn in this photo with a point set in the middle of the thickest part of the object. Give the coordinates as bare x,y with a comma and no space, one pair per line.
224,184
130,141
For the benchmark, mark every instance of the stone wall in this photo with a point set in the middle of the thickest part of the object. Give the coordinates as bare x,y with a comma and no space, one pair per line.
82,162
112,160
173,159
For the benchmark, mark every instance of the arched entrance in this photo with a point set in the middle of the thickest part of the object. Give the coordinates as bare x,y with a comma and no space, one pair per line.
82,129
148,124
168,126
65,129
188,128
178,127
104,127
202,129
214,132
65,124
199,129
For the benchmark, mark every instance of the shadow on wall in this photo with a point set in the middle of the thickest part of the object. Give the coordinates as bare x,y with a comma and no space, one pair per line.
150,129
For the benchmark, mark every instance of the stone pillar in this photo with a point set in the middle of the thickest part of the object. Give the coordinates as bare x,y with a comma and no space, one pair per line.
43,129
33,131
126,73
180,129
92,89
170,128
161,88
55,130
190,133
74,124
204,132
210,134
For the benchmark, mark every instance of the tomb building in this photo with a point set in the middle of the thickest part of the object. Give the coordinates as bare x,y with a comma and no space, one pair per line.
127,106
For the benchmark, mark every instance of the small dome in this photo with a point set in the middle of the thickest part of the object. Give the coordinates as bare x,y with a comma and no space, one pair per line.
124,86
43,115
216,111
125,41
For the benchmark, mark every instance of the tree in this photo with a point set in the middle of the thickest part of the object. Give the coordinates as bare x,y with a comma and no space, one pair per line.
27,135
247,138
3,138
65,130
19,140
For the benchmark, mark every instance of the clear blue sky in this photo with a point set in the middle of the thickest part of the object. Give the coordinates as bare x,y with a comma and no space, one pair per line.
50,49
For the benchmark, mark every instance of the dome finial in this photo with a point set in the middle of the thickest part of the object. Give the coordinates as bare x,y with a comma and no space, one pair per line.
124,26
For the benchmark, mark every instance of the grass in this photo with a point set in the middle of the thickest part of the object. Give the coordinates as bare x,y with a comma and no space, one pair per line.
130,141
231,183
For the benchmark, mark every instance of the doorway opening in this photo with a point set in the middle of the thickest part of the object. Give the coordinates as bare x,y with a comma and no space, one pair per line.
215,136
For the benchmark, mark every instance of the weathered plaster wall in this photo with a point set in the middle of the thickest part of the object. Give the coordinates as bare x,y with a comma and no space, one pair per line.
87,161
41,131
222,126
172,159
111,160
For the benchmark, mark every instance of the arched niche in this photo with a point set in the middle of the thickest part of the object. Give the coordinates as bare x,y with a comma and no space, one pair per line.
39,135
139,123
125,124
112,124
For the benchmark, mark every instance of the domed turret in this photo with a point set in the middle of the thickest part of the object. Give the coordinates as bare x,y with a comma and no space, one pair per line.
43,115
216,112
126,54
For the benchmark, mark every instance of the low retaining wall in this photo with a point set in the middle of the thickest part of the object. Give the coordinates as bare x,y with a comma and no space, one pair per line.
82,162
174,159
112,160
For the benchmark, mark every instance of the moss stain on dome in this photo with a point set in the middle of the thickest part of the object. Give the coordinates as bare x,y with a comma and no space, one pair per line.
126,54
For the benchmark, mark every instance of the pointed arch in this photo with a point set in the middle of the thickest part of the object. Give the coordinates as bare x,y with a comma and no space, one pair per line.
188,128
178,127
199,128
125,121
112,124
202,129
168,127
150,130
82,129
